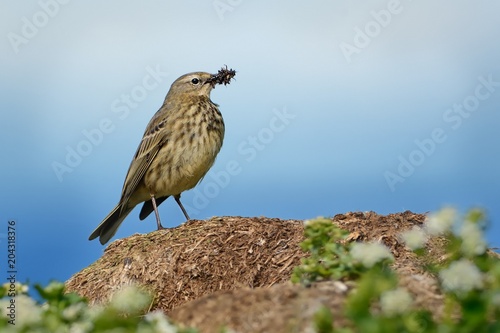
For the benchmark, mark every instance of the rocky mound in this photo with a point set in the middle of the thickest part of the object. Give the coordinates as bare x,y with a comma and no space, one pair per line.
233,271
195,259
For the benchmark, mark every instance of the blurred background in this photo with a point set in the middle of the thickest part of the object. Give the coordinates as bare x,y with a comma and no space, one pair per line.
383,106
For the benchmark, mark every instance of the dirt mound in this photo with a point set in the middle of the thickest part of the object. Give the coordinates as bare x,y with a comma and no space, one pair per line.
233,271
195,259
281,308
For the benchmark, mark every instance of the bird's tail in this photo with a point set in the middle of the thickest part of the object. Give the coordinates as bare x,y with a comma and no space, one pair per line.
110,224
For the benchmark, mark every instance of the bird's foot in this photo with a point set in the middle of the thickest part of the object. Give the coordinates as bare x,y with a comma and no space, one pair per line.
160,226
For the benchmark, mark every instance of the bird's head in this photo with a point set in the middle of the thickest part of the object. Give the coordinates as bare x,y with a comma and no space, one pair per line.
201,83
197,83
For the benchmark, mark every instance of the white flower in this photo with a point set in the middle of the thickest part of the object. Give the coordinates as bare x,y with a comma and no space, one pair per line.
319,219
461,276
395,302
370,253
473,242
54,287
18,287
495,299
414,238
81,327
441,222
94,311
130,299
160,322
72,312
26,310
308,222
23,288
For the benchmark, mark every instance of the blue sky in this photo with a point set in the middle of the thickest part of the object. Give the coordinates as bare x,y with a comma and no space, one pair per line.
337,106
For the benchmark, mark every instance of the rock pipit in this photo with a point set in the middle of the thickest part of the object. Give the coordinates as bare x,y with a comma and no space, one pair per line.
179,146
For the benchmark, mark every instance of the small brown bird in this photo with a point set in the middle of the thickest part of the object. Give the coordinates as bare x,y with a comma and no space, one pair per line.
178,148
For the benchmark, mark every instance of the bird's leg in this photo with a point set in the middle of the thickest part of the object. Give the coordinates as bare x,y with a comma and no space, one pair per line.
158,222
178,200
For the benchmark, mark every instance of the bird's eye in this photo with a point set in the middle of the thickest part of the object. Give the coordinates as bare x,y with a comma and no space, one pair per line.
195,81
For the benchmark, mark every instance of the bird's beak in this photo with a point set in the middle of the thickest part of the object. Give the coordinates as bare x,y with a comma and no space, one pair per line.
212,80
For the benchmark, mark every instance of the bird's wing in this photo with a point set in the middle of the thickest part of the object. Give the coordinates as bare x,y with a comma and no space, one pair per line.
154,138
